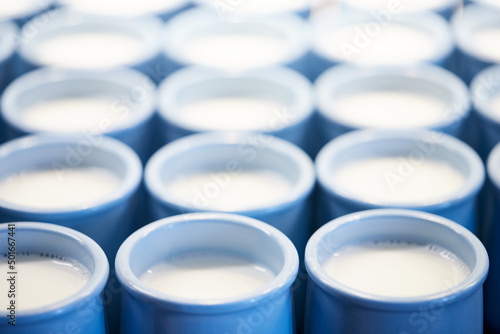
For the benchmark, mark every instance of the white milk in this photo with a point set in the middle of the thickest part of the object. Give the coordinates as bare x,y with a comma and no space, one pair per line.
495,103
76,114
58,188
400,5
230,191
123,7
389,109
487,43
18,8
43,281
390,180
235,52
208,277
88,50
395,44
261,7
392,269
235,114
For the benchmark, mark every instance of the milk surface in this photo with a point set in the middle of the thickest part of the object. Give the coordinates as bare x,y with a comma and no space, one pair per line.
389,109
89,50
234,114
390,180
230,191
487,43
42,281
235,52
395,44
396,269
18,7
75,114
123,7
402,5
58,188
207,277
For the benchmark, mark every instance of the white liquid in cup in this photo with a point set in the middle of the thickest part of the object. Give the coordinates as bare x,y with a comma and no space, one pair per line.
400,5
396,269
89,50
390,180
235,52
76,114
19,7
58,188
230,191
42,281
487,42
390,109
495,103
235,114
207,277
395,44
124,7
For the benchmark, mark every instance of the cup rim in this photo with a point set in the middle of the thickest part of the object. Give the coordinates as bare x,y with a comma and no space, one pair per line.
95,285
112,146
431,23
170,109
281,283
301,189
334,78
306,5
38,6
348,141
487,3
482,92
7,47
492,164
93,10
443,6
187,23
146,27
330,285
465,22
127,78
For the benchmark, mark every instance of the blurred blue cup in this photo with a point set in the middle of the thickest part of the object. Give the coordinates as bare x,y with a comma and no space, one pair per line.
21,11
81,312
334,307
197,99
266,310
420,170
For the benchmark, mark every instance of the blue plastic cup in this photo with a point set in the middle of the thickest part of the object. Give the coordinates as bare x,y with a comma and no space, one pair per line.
410,152
8,43
429,83
82,312
130,99
290,95
109,220
105,43
267,310
334,307
485,90
445,8
470,27
165,10
21,11
429,40
195,37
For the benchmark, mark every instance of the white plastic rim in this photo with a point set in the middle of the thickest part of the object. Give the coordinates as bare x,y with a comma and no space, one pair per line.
431,80
19,9
200,22
76,83
429,23
416,6
257,7
192,82
485,86
467,22
8,39
125,8
493,4
60,22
